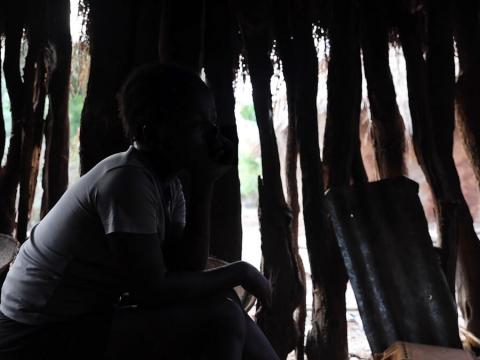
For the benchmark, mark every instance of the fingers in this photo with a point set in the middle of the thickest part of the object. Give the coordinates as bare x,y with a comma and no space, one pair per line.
261,287
256,284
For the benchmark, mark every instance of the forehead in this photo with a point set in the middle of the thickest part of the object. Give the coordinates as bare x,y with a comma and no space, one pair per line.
194,109
202,100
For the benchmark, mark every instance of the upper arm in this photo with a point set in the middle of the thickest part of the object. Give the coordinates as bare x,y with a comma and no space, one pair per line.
126,200
127,205
179,208
174,247
140,259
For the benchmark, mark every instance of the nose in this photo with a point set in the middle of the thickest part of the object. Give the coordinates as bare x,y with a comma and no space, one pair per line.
220,148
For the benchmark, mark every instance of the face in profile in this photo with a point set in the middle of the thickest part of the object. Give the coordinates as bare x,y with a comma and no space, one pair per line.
191,137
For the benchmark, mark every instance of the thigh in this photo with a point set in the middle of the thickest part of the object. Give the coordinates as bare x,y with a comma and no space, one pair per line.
83,337
23,342
257,346
173,331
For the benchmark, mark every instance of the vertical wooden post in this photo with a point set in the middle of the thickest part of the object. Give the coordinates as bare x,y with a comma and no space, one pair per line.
279,261
430,89
3,134
10,173
221,58
33,108
182,33
55,170
341,153
112,33
388,130
467,36
285,34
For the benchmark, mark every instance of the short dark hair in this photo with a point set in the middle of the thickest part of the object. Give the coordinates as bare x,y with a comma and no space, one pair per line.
153,92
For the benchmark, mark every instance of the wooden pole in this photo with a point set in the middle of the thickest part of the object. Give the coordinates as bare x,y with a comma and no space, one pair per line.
221,59
279,264
57,131
112,34
10,173
388,130
35,73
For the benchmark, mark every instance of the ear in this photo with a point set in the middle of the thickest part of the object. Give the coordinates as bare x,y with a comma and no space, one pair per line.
152,139
146,137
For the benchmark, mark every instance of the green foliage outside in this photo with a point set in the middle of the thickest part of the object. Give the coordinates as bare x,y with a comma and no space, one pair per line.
78,85
6,108
248,112
249,162
75,111
249,168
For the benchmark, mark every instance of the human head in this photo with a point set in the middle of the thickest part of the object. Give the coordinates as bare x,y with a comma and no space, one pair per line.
158,94
169,112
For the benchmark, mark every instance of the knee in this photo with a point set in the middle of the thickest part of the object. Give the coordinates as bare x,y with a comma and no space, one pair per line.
228,318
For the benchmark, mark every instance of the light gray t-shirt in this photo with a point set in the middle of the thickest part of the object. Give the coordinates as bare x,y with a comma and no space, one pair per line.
66,268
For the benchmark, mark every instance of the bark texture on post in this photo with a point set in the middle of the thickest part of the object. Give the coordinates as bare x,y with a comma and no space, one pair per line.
3,134
35,74
388,130
285,34
430,89
10,173
221,58
112,33
279,261
342,142
342,161
441,83
182,33
327,339
467,36
147,32
55,170
2,119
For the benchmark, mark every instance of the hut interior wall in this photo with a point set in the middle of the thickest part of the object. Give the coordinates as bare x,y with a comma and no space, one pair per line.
210,35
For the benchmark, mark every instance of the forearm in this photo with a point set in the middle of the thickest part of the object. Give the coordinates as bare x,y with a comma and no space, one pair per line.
182,286
195,242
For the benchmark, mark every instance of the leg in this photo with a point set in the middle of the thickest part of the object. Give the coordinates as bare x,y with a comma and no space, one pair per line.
214,327
81,338
257,346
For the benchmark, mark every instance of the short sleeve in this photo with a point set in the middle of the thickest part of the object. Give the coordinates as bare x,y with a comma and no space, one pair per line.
127,201
179,209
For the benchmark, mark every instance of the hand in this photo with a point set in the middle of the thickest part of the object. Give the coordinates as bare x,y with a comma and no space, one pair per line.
255,283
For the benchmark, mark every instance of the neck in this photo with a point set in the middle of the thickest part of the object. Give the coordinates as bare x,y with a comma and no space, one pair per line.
160,165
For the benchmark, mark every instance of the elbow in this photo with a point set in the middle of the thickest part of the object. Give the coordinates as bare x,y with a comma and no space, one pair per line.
187,263
197,264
